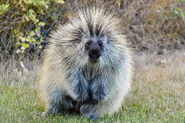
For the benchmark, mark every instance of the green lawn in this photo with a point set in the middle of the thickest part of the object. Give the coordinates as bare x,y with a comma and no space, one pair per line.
157,95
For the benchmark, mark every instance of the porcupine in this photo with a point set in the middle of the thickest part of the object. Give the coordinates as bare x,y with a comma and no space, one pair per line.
87,65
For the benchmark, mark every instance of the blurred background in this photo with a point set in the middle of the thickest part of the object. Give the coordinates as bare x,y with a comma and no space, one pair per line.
151,25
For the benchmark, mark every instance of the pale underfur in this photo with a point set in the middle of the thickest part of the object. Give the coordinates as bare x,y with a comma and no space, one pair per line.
66,55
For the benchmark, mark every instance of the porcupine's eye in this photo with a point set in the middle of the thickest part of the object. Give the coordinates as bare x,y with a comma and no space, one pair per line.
87,45
100,43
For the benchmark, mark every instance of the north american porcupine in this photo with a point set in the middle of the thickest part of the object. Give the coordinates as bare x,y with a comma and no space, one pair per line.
87,66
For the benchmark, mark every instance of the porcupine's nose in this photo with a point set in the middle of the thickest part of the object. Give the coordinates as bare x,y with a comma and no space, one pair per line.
94,52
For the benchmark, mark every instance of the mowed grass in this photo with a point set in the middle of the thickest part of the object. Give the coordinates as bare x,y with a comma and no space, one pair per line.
157,94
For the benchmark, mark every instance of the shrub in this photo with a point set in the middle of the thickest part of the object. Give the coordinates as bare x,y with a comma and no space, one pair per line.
25,25
156,24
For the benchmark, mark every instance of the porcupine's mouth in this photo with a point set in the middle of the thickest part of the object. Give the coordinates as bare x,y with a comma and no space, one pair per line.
93,60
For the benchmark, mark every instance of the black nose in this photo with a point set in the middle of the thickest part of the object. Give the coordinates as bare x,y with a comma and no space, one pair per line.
94,54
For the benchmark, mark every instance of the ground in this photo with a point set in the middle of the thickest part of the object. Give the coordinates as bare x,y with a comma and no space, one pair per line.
157,93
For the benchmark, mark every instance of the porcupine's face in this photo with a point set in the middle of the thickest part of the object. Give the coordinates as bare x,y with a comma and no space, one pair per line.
93,48
96,38
102,49
98,50
97,46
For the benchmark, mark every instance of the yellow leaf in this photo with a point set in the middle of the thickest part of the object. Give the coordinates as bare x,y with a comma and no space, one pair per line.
40,47
25,45
41,24
32,33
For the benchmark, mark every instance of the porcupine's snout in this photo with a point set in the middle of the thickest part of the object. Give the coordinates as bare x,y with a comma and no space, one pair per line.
93,51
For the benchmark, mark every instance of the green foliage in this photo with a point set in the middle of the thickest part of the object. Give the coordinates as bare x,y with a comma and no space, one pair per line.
176,11
23,23
3,9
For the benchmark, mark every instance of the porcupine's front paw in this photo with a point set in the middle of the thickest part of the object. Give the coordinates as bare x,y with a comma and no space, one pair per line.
87,110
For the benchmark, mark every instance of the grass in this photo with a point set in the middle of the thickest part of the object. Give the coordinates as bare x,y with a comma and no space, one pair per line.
157,93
